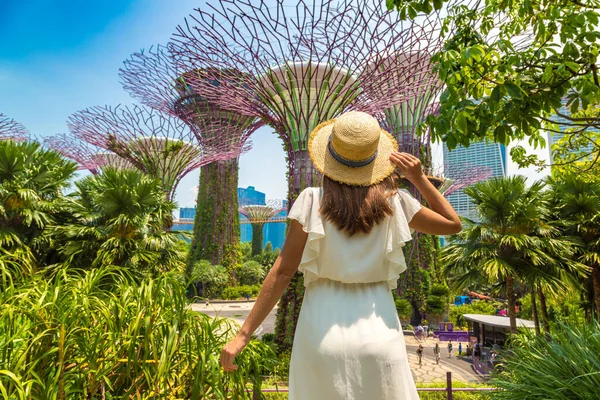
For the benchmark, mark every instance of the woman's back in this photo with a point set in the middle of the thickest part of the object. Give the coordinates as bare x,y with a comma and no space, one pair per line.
361,258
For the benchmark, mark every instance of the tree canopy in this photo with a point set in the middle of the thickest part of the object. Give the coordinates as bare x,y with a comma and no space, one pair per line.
514,69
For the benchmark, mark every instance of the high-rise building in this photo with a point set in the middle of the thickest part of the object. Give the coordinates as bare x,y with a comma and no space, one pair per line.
250,196
490,155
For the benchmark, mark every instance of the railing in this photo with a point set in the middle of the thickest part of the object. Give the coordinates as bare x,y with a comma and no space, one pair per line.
277,219
448,389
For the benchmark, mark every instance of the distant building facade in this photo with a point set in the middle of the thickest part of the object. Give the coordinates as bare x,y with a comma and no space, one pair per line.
250,196
490,155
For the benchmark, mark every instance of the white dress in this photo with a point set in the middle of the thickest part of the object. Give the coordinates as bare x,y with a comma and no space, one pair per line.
348,342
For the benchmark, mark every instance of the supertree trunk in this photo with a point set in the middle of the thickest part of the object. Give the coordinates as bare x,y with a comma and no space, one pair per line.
217,225
257,238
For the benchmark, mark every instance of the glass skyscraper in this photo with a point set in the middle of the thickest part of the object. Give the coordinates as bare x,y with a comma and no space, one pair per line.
491,155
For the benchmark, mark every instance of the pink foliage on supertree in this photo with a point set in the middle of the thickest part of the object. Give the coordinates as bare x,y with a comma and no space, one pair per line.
160,145
12,130
86,155
457,177
298,66
152,77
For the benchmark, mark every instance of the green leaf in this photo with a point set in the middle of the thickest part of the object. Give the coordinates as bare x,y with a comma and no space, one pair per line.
513,90
462,122
451,142
495,95
437,4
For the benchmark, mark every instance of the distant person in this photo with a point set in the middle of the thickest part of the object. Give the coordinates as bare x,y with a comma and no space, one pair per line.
419,332
436,352
476,350
347,238
247,296
460,348
450,348
420,353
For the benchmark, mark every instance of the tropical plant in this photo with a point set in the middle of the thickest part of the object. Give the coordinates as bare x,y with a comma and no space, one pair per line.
557,366
118,218
251,273
210,280
513,241
32,180
576,204
99,334
455,314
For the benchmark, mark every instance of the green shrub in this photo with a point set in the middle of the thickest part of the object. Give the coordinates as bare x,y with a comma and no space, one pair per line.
436,305
251,273
478,307
99,334
403,307
562,365
209,280
246,251
439,290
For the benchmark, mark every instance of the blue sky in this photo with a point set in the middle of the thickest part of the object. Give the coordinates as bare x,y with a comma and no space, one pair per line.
57,57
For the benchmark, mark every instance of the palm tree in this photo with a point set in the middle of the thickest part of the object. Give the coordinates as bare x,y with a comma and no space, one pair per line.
576,204
118,219
512,242
32,180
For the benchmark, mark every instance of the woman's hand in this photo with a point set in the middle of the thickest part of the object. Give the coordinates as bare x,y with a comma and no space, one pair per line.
408,164
231,350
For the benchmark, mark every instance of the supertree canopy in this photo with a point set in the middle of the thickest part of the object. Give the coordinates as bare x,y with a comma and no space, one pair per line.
296,67
11,129
152,78
86,155
155,143
258,215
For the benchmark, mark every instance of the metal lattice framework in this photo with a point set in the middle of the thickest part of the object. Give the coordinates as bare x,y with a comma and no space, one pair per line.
262,213
12,130
86,155
155,143
259,215
155,80
457,177
296,67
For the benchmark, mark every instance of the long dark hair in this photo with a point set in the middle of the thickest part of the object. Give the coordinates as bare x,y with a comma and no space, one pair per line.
355,209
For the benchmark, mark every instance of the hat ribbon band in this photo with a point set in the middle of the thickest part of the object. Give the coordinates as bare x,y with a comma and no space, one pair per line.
349,163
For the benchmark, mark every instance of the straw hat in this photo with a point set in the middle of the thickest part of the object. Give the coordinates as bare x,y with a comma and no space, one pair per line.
352,149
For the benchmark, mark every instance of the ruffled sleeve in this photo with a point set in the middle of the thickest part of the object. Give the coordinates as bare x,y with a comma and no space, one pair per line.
405,207
305,210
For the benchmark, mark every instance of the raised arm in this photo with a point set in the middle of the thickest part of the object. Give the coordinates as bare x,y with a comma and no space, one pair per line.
272,289
440,218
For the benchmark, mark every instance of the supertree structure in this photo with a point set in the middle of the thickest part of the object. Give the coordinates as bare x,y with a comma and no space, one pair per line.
86,155
258,215
11,129
296,67
155,143
154,79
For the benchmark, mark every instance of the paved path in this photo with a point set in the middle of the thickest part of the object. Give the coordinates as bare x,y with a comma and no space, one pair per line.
428,371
